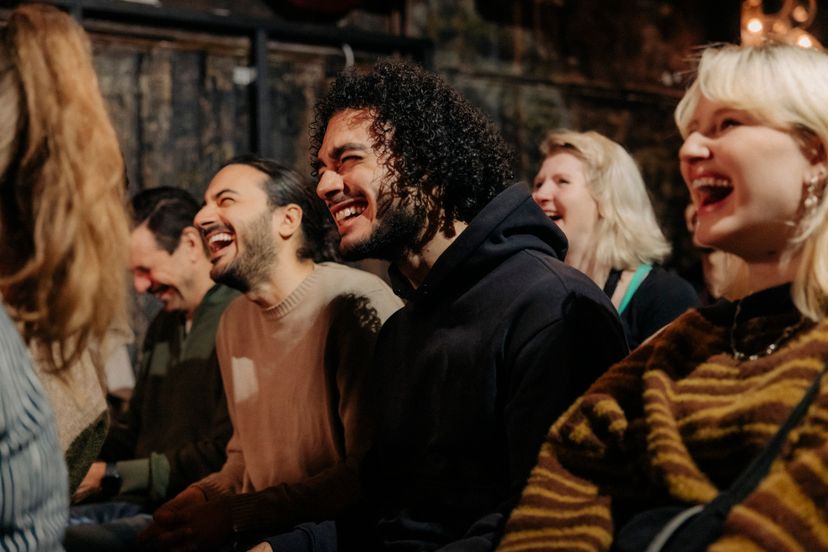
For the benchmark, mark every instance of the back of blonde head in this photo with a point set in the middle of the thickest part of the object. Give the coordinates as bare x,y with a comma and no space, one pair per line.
785,87
627,232
63,223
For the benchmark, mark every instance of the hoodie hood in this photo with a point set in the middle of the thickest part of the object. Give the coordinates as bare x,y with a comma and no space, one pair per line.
510,223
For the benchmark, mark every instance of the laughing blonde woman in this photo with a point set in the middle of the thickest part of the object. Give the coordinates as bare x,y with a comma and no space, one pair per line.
663,433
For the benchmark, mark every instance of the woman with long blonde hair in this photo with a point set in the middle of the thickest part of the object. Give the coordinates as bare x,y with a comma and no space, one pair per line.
63,236
712,435
592,189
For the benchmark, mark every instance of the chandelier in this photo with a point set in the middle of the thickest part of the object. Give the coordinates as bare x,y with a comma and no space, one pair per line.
786,25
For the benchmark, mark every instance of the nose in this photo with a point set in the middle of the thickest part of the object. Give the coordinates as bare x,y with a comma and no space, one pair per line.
204,217
544,192
141,282
695,147
330,183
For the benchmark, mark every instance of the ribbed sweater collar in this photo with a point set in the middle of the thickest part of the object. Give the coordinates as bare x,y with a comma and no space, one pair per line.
296,296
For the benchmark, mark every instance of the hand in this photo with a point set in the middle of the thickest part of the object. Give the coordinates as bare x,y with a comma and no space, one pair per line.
261,547
164,517
91,484
207,526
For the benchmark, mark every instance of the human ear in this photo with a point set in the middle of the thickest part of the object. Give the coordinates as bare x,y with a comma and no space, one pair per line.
191,241
289,219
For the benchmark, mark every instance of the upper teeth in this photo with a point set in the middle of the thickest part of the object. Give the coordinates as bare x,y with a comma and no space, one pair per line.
348,211
221,236
710,181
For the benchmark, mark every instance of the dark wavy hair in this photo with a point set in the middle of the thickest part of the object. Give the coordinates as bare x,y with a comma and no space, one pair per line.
167,211
284,186
448,159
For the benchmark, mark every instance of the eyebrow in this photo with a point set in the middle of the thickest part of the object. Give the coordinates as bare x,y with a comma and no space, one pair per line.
337,152
218,194
694,123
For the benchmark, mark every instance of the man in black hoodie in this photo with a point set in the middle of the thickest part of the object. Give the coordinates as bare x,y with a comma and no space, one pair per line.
498,337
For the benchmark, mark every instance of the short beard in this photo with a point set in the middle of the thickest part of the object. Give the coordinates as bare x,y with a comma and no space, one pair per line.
397,235
253,265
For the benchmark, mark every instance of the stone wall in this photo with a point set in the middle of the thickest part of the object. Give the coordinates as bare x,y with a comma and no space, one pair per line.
182,105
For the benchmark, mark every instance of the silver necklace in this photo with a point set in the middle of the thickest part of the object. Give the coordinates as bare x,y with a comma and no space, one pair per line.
786,334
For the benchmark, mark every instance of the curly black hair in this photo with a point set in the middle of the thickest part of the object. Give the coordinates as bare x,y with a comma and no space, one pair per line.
448,159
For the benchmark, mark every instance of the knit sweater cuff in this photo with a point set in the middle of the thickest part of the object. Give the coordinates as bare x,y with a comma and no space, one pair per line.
211,488
249,514
135,475
159,481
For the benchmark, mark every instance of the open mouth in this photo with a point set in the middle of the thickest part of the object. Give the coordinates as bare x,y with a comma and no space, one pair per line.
711,190
158,290
217,241
353,210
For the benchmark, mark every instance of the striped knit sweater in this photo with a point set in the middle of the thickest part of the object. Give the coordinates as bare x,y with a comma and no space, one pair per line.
676,422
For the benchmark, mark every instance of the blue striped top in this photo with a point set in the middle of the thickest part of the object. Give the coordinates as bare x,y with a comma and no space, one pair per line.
34,495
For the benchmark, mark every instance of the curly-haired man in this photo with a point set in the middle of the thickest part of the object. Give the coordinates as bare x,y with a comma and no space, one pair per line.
498,336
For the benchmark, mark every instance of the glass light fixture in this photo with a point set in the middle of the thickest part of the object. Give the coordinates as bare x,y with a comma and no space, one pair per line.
786,25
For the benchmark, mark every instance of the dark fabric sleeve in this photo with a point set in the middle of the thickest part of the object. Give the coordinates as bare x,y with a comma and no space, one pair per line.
545,376
662,297
592,472
198,458
354,327
123,434
550,371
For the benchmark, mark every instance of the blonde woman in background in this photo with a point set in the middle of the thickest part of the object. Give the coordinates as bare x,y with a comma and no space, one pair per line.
63,236
684,417
591,188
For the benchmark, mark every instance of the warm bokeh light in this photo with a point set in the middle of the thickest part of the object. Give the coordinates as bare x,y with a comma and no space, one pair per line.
800,14
754,26
784,21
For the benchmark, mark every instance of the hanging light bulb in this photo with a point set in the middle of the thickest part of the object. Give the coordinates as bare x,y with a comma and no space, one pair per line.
786,25
754,25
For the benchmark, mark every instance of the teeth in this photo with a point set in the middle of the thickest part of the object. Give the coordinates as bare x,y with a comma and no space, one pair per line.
711,181
348,211
222,236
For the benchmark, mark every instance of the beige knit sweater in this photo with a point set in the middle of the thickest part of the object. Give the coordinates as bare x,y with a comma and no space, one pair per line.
296,378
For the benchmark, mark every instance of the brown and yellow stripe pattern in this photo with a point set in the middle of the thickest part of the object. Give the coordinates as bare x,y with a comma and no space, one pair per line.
672,424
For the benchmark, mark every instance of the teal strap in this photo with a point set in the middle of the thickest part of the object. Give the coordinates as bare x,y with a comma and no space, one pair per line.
640,273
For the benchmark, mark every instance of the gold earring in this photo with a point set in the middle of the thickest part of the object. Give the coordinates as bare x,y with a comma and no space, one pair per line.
811,194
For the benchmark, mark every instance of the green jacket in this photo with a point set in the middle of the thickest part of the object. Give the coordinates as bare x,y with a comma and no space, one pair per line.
177,426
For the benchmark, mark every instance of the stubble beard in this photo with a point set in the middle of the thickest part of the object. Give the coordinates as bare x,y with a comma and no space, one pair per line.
397,235
253,264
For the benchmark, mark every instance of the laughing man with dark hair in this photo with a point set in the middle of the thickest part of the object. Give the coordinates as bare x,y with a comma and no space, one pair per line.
498,337
294,353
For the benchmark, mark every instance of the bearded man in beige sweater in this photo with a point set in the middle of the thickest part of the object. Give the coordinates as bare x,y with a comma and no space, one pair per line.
295,356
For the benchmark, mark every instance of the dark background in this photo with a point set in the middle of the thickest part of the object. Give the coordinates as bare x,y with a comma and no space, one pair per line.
175,74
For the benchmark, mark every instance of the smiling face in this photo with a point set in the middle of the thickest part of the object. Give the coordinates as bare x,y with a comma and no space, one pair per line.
236,224
167,276
746,181
560,189
353,182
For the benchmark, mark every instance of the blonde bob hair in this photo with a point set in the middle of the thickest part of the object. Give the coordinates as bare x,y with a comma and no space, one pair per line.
63,223
627,233
785,87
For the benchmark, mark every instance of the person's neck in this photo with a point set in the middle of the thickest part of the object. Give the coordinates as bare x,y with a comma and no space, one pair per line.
285,277
202,284
416,266
765,274
585,262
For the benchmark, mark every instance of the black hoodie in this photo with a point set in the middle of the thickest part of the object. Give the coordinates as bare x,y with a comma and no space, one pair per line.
496,343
